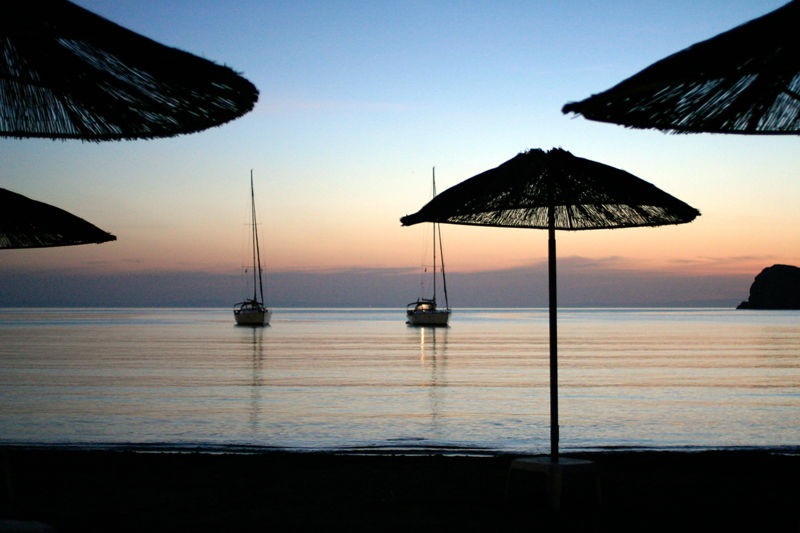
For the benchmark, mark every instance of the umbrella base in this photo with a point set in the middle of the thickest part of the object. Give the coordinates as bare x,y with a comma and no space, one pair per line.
578,473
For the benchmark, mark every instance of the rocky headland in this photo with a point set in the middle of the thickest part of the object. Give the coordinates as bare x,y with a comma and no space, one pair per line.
776,287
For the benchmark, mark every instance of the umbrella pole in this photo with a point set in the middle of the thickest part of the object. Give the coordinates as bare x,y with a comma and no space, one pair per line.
551,263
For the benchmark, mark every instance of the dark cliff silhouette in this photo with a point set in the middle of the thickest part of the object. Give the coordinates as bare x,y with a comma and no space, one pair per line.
776,287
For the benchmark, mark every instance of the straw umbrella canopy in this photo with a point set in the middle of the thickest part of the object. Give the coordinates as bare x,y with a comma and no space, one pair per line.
66,73
554,190
746,80
26,223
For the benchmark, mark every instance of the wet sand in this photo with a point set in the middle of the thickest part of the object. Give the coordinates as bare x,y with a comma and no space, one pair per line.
78,490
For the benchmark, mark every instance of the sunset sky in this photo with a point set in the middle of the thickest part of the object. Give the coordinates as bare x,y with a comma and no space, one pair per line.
359,100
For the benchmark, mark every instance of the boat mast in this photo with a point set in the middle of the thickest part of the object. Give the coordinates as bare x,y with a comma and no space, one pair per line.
256,250
437,226
441,257
434,239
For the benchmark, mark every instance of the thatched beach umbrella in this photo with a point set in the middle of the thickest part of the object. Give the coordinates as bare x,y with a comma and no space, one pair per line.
66,73
554,190
746,80
26,223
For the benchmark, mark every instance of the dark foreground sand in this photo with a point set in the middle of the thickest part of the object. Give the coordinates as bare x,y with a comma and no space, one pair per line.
73,490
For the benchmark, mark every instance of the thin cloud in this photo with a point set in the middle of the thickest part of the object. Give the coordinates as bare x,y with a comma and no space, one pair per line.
582,282
291,106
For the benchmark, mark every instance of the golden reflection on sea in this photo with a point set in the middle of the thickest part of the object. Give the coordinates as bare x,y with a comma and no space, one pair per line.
340,378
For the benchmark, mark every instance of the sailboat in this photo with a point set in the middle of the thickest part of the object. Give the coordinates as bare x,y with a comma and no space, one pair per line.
252,311
424,311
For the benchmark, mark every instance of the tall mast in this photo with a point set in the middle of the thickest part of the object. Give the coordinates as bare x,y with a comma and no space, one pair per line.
434,239
437,226
441,258
252,232
256,250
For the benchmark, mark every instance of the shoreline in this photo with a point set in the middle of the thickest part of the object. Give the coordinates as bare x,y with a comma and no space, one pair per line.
163,490
378,449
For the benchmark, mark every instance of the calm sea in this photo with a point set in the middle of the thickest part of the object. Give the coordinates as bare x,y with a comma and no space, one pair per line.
344,378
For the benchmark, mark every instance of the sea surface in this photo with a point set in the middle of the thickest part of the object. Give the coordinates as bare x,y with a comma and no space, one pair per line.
333,379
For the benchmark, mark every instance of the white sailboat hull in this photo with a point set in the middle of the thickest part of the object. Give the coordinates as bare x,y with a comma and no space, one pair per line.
252,317
439,317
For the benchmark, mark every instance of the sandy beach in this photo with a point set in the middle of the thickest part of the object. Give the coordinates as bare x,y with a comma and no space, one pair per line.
102,490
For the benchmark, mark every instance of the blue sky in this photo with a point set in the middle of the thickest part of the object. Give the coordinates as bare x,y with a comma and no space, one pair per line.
358,100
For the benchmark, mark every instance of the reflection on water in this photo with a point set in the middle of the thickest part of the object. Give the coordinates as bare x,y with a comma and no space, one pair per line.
256,340
437,361
328,378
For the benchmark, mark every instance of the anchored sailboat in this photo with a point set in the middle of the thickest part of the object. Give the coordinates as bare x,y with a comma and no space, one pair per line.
252,311
424,311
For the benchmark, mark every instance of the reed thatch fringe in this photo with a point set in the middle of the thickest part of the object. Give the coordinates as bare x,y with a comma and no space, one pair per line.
584,195
68,73
746,80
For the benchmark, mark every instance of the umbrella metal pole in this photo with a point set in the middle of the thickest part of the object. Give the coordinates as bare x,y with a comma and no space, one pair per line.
551,261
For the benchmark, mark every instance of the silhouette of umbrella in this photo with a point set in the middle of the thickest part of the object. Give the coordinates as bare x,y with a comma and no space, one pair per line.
554,190
746,80
26,223
66,73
